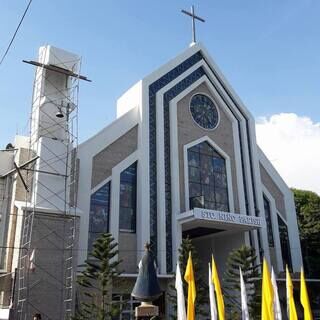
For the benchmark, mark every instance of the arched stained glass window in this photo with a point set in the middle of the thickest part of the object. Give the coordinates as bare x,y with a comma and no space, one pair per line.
99,213
207,178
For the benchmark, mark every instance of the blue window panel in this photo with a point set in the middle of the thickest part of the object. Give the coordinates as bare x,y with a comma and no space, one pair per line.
267,212
220,180
99,219
127,222
128,199
91,239
285,244
194,174
213,184
99,214
208,193
194,190
218,164
205,148
194,159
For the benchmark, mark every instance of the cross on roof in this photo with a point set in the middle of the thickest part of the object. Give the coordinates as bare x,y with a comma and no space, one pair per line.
194,17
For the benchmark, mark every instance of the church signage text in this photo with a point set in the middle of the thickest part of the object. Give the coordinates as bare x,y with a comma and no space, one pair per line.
228,217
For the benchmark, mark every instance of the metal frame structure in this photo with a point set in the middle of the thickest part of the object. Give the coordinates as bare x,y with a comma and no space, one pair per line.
69,111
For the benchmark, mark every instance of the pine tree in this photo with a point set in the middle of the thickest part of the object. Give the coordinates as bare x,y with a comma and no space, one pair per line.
201,286
244,257
96,281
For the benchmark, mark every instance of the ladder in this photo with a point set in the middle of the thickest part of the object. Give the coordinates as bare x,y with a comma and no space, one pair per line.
69,267
23,266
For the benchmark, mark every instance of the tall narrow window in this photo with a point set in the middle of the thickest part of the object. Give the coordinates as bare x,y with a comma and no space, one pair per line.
128,199
99,213
285,244
207,178
267,212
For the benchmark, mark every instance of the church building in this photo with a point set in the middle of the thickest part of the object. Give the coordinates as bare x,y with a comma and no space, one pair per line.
180,159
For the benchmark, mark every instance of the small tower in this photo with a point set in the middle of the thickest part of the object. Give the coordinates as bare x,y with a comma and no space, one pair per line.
54,107
49,232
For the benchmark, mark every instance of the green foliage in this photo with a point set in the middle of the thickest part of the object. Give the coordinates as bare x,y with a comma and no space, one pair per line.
244,257
308,212
201,286
96,281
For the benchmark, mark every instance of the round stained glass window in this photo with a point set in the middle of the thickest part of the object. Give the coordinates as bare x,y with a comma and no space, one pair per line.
204,112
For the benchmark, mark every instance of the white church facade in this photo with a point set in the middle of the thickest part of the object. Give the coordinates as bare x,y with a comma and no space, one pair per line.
181,159
187,142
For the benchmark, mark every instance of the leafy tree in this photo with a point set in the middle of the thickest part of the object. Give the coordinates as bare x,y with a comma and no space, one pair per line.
201,304
96,281
244,257
308,212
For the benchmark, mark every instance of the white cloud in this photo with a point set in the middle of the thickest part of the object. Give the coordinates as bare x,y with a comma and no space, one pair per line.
292,144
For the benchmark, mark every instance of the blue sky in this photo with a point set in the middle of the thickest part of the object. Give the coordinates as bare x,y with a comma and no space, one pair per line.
268,50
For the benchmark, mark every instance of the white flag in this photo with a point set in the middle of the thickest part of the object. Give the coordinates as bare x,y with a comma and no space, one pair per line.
276,301
244,301
213,305
181,307
32,259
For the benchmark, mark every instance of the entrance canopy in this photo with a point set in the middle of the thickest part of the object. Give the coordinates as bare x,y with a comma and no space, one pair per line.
200,222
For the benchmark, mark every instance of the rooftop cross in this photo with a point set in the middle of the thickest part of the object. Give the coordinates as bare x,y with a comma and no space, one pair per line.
194,17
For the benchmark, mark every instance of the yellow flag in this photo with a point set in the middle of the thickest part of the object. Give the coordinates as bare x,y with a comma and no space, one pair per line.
267,294
189,277
292,313
217,288
304,299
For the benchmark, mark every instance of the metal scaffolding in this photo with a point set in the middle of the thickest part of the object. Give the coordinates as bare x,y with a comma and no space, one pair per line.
53,121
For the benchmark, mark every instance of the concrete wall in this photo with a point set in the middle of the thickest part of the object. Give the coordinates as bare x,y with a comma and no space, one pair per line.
20,195
274,190
5,291
49,240
6,161
189,131
219,246
12,230
128,251
5,206
104,161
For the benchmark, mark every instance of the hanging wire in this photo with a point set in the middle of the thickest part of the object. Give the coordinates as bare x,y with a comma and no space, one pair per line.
16,31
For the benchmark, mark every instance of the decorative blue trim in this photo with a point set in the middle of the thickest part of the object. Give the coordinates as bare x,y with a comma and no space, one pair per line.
168,96
153,89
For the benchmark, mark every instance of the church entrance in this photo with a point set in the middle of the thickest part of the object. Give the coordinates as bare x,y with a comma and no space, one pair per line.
216,233
219,245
